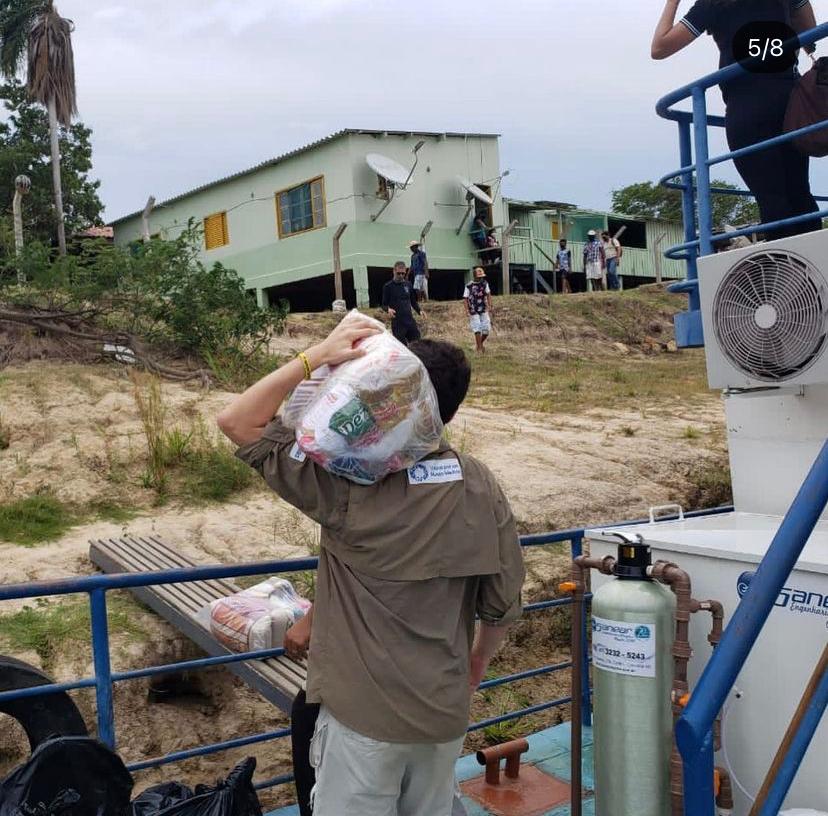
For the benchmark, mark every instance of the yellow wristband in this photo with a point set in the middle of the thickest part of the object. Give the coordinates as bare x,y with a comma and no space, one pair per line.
306,364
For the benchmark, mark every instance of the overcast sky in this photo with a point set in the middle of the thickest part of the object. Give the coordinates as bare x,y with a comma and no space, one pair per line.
181,92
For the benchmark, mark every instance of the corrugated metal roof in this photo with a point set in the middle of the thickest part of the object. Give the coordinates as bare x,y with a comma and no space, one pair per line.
290,154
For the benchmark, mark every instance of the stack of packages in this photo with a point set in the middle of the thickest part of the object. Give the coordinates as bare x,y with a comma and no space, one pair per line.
368,417
257,618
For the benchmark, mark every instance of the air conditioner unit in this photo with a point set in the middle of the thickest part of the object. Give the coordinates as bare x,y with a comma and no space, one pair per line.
765,313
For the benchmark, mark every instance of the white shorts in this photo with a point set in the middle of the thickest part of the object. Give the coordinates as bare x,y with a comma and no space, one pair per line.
359,776
481,323
421,284
594,271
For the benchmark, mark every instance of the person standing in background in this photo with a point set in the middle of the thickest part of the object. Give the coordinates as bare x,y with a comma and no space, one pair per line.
612,253
419,269
594,261
399,299
563,264
755,104
478,297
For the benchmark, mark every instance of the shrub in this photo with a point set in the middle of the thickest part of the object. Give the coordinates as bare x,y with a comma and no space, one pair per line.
158,292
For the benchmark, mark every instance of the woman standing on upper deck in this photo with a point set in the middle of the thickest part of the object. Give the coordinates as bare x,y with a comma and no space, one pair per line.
755,103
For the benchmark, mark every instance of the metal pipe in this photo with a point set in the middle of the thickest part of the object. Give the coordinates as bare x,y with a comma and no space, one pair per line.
586,697
510,751
103,668
801,730
678,580
577,587
693,728
724,796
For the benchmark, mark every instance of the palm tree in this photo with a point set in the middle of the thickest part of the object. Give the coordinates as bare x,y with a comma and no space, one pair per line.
33,31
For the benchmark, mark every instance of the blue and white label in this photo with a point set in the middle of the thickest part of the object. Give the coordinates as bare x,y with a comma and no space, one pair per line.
435,471
297,454
624,647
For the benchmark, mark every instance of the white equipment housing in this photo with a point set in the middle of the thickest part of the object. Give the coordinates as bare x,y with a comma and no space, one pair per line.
765,316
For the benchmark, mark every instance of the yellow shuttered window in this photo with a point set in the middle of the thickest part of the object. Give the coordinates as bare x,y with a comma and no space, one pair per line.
215,231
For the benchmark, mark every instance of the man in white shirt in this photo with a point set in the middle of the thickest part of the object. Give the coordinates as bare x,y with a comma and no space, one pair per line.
612,252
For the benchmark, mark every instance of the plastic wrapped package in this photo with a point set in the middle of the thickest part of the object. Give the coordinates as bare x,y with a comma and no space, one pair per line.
368,417
257,618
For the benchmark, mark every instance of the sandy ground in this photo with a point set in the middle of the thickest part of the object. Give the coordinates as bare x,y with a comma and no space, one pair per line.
76,432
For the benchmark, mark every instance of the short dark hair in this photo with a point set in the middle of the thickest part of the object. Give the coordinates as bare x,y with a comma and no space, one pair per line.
449,371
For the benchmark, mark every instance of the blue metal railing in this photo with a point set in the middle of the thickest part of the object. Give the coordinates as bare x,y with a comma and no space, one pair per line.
103,680
696,196
694,729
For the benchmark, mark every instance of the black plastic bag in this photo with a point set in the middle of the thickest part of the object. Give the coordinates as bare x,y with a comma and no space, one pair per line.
68,775
233,797
156,799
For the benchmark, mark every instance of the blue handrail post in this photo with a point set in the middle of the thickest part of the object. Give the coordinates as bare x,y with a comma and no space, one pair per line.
586,698
702,176
797,749
699,794
688,325
746,623
103,667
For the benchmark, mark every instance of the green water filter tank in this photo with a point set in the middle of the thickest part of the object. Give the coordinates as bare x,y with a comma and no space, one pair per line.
633,628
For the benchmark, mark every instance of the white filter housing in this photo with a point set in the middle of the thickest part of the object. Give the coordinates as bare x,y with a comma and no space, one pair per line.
720,553
765,313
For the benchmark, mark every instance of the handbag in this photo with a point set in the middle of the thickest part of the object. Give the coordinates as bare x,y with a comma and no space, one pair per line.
808,105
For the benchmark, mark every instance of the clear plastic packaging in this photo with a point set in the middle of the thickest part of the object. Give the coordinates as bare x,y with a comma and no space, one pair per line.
257,618
368,417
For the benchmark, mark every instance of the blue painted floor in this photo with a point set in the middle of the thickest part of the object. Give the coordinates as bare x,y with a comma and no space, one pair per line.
548,750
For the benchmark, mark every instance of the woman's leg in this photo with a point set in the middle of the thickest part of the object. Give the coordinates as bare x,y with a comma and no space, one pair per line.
777,177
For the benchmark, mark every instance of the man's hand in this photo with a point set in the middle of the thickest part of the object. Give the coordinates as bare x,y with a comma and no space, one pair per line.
297,638
392,312
341,344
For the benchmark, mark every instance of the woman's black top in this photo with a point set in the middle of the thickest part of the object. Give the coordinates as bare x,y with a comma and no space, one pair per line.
722,19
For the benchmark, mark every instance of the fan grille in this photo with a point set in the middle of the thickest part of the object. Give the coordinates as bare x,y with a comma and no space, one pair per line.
770,315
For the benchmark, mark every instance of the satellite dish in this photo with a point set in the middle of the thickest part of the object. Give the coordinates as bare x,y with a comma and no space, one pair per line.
393,172
473,191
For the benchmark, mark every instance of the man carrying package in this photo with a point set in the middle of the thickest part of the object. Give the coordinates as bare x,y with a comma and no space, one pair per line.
405,565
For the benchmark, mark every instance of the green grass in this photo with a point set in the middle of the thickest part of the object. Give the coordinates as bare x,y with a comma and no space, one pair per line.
691,433
501,381
41,518
190,464
34,520
213,473
49,627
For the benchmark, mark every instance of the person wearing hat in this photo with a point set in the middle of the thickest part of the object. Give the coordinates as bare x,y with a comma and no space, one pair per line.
478,297
419,269
595,261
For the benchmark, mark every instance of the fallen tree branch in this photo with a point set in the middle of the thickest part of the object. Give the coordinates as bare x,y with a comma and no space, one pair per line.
56,323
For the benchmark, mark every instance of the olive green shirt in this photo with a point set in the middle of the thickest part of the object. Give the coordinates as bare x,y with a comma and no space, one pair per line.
405,566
